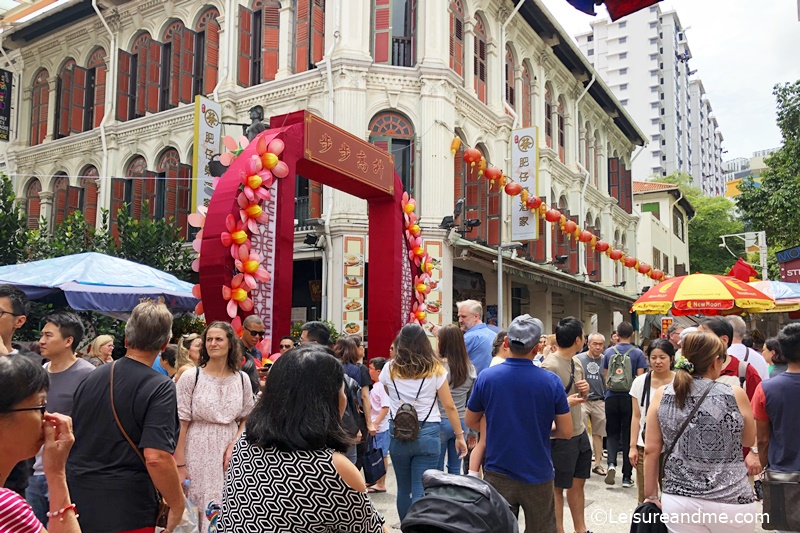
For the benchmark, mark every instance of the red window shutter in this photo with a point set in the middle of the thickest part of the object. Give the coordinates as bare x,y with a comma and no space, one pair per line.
212,57
526,98
456,39
74,197
125,93
142,63
173,67
317,30
118,199
154,67
187,66
626,189
40,97
302,36
413,34
561,136
78,99
613,177
458,175
183,207
540,246
64,102
99,98
548,119
245,43
90,196
271,38
381,48
493,216
60,199
480,62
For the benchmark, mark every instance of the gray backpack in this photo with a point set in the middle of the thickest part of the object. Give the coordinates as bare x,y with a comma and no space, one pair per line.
620,372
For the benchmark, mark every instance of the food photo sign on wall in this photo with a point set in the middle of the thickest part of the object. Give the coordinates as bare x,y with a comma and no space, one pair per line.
433,301
353,294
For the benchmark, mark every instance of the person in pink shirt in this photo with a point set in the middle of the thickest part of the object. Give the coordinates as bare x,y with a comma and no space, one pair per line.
379,401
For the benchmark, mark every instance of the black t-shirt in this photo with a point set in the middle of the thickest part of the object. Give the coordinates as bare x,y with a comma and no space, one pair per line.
107,479
366,380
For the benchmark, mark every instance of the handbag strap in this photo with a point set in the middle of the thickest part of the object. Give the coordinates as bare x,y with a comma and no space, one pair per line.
119,424
688,419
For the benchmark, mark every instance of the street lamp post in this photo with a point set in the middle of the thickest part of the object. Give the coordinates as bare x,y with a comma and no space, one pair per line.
502,246
749,237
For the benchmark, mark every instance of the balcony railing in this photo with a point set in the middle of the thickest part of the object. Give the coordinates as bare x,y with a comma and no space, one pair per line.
302,212
401,52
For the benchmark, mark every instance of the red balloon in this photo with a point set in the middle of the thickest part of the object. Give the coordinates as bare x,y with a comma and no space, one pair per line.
534,202
585,236
472,156
513,188
570,227
656,275
553,215
601,246
492,173
616,255
644,268
629,262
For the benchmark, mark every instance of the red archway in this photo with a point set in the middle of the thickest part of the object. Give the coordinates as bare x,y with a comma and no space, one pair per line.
329,155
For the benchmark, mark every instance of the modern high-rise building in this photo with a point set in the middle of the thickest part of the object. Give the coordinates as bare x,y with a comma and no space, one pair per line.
644,59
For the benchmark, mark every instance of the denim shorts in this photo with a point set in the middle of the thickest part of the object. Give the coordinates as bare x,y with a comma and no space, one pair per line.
382,441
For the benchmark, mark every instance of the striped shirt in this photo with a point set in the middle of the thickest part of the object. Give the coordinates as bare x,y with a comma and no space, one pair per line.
16,516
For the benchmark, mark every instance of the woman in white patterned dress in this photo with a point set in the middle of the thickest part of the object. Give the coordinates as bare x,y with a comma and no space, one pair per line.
213,402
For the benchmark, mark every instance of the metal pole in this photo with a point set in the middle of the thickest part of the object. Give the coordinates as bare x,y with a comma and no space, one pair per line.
500,267
762,254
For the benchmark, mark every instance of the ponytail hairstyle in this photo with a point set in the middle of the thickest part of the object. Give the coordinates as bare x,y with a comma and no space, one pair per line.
700,350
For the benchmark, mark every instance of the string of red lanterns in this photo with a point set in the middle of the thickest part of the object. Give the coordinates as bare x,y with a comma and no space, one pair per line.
474,158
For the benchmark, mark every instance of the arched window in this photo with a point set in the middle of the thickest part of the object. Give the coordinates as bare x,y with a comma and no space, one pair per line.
259,37
526,96
139,79
309,46
206,53
88,181
562,138
597,160
457,37
394,32
394,133
173,190
548,115
126,193
33,205
475,194
61,191
177,66
479,58
96,71
40,98
509,75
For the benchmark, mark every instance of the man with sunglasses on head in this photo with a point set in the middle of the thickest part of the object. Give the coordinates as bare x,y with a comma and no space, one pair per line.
61,335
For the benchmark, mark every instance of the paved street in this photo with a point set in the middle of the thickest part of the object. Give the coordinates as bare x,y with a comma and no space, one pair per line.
604,506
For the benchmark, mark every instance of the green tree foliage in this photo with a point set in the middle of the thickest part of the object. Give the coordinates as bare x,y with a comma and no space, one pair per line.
12,224
714,216
773,206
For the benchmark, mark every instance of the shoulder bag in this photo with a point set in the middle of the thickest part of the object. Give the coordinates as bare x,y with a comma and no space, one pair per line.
163,506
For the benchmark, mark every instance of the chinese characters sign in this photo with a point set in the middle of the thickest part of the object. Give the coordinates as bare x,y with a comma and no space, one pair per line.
525,171
5,104
337,150
207,137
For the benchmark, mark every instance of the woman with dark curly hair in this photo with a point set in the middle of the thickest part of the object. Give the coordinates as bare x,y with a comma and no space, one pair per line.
288,471
213,403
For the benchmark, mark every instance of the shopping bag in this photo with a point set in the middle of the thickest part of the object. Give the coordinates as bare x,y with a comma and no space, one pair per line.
374,467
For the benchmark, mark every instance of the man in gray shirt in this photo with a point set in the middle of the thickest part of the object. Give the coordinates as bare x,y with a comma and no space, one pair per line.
594,408
61,335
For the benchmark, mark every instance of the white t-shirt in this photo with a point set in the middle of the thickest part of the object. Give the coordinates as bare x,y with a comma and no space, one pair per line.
496,360
408,391
378,399
756,359
637,391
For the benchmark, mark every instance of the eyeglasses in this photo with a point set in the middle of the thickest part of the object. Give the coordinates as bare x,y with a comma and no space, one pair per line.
4,313
255,333
41,408
289,346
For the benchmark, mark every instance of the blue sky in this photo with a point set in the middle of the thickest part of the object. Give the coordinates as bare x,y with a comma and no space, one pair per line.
740,49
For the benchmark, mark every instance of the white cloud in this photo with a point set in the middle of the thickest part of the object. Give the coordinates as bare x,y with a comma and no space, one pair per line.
740,50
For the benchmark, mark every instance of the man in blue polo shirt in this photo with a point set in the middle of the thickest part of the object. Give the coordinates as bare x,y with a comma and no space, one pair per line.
477,335
521,402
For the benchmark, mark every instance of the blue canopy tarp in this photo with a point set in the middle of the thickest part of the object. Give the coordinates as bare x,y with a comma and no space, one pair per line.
98,282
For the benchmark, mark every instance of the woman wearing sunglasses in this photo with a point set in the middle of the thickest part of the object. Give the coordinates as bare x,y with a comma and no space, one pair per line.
24,428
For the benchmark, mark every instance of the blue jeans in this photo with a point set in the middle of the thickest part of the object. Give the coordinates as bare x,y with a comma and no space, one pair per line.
38,498
448,438
410,459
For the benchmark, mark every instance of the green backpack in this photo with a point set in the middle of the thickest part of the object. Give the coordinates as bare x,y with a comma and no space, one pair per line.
620,372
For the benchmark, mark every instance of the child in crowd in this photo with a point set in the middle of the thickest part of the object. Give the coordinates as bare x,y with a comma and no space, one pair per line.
379,400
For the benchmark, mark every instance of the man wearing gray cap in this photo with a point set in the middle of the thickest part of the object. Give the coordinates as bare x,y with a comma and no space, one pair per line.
521,402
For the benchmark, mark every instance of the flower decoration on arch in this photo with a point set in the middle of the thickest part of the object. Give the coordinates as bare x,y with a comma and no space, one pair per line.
419,258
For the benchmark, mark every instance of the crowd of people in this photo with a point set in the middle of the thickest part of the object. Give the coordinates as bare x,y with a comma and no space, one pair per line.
252,441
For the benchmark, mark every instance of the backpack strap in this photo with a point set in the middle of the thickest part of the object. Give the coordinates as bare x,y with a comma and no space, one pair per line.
645,402
629,350
743,372
571,377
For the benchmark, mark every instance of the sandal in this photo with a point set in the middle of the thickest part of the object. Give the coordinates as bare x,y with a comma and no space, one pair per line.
599,470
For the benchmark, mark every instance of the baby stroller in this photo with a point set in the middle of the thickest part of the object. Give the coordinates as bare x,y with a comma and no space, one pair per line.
453,504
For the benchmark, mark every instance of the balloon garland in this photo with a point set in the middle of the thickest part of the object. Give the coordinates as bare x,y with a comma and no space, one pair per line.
419,258
257,177
473,157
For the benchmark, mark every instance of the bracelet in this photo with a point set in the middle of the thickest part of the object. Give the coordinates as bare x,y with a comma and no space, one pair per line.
459,434
60,514
181,466
656,497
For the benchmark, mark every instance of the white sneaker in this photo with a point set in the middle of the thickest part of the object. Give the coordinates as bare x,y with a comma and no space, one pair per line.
611,475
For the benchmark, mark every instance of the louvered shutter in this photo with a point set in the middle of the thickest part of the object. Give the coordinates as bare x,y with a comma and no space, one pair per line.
142,73
154,67
78,106
302,36
271,39
119,188
613,177
74,200
382,32
172,68
317,31
125,94
187,75
64,102
183,200
99,97
212,57
245,45
89,206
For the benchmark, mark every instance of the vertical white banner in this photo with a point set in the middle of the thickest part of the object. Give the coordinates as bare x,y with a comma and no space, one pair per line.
525,171
207,141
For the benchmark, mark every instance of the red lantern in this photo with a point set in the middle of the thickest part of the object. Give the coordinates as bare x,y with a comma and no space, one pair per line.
601,246
570,227
554,215
585,236
656,275
513,188
534,202
493,173
629,262
472,156
644,268
616,255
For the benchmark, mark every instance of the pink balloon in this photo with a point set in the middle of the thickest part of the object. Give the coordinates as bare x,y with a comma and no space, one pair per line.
281,170
276,146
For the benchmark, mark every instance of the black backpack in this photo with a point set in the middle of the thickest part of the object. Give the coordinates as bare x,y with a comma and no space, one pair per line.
354,411
405,420
453,504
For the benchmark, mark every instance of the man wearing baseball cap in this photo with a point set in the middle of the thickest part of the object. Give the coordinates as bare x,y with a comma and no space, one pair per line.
521,402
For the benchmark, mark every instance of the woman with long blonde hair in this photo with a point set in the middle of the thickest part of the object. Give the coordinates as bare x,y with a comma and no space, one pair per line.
416,376
101,350
188,354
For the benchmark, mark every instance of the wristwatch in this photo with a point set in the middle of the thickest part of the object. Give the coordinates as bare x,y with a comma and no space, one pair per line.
754,449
